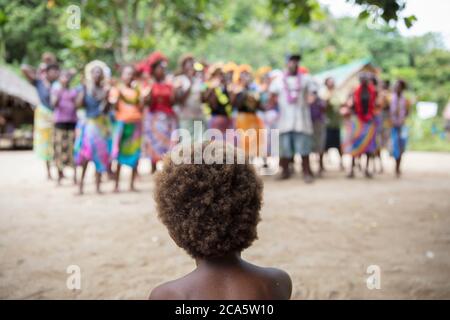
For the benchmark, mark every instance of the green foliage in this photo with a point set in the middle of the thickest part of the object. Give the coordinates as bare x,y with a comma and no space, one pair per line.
422,137
305,11
27,29
258,32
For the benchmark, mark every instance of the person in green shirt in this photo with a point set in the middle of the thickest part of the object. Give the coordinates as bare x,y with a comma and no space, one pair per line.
333,104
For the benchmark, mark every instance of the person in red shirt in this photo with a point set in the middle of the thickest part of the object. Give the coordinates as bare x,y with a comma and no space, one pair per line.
363,125
160,120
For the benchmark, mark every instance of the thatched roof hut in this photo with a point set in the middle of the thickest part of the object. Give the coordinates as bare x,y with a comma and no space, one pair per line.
18,98
16,87
346,77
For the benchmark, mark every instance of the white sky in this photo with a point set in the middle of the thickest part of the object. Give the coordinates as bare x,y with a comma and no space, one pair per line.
432,15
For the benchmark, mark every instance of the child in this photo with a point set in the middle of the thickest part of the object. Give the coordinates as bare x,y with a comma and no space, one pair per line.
63,99
211,211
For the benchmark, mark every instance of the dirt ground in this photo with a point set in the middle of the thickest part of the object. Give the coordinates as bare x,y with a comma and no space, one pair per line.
325,235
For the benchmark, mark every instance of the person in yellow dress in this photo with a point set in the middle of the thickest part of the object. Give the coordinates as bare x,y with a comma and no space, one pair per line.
246,100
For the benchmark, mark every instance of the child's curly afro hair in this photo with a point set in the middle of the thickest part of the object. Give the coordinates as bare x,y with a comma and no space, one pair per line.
213,209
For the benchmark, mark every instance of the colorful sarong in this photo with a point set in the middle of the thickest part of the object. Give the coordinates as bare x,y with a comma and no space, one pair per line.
158,129
378,131
91,143
250,140
385,129
399,138
43,133
126,143
63,147
359,137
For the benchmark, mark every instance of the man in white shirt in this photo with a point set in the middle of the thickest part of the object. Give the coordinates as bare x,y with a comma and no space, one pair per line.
292,92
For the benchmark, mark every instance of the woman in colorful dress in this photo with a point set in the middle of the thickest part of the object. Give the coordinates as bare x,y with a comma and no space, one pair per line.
363,126
43,114
92,133
247,102
63,98
188,92
217,99
160,120
398,110
127,131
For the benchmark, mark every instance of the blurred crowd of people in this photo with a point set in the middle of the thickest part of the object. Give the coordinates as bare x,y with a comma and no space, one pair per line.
114,122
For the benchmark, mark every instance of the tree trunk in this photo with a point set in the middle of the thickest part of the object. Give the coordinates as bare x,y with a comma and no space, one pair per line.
125,32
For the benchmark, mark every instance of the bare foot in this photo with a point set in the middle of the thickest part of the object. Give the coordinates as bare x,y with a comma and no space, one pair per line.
308,179
320,173
285,175
133,189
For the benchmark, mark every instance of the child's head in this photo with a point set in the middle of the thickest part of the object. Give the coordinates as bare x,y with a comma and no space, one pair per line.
210,210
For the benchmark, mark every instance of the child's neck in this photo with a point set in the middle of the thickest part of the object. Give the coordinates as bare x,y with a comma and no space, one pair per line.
231,259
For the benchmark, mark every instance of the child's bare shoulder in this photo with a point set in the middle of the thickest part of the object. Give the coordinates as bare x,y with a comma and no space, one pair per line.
167,291
277,280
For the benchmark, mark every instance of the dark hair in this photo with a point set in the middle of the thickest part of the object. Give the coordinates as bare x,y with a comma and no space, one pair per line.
51,66
155,65
296,57
210,210
403,84
328,79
